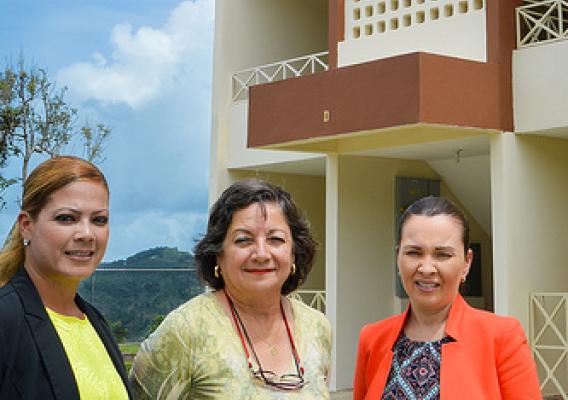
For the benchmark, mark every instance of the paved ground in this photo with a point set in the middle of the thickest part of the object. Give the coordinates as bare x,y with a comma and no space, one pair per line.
347,395
342,395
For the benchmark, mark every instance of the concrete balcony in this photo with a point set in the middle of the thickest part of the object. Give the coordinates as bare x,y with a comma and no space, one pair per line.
375,88
540,63
292,68
322,111
240,155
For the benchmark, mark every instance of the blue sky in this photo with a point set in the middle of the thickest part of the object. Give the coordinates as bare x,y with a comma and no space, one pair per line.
144,68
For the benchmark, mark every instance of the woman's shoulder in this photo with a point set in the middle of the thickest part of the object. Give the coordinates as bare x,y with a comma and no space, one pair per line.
491,322
382,332
10,304
193,319
196,310
7,292
382,325
305,312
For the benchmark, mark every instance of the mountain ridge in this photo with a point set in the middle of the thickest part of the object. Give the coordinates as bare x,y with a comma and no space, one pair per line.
135,298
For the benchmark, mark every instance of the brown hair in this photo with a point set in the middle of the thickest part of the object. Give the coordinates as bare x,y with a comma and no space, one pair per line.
238,196
431,206
45,179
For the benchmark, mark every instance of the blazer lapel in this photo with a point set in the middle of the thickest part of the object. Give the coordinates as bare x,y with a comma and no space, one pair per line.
459,357
378,384
48,343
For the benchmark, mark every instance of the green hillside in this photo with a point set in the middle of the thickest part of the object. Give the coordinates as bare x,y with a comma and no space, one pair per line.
135,298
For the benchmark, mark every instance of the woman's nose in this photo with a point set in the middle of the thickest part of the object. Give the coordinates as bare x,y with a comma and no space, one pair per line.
427,266
84,231
260,250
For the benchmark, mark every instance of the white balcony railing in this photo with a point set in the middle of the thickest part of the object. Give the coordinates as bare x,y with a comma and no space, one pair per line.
541,21
278,71
549,341
313,298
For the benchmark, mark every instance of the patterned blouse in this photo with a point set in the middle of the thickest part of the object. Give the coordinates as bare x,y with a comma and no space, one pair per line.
197,354
415,370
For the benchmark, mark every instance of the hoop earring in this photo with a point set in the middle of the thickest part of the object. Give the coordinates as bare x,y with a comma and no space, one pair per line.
217,271
293,269
26,242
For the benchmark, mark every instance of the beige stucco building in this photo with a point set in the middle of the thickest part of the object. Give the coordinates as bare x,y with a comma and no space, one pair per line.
334,100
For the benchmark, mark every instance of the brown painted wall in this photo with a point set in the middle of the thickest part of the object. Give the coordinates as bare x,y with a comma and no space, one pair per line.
459,92
365,96
501,41
392,92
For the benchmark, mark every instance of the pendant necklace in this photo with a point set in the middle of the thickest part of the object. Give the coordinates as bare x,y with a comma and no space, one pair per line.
273,349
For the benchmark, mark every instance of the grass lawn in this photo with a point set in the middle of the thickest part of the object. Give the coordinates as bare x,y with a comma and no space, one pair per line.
128,348
128,351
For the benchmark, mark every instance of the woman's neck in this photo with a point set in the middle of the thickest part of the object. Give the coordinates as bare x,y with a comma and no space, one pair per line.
426,325
260,307
265,325
57,295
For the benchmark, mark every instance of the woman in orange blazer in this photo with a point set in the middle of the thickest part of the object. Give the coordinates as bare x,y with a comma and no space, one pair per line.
441,348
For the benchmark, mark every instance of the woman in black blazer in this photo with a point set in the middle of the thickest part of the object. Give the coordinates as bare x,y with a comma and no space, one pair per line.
53,344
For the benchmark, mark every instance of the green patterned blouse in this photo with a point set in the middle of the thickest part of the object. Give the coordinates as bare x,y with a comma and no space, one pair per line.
197,354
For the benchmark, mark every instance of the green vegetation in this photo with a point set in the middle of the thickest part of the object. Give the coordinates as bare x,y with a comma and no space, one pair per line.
35,119
119,331
128,348
155,323
128,351
138,300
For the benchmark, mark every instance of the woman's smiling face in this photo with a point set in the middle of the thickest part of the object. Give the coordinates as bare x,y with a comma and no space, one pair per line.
68,238
257,251
431,261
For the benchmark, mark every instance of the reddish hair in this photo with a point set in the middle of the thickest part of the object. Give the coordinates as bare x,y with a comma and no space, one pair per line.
45,179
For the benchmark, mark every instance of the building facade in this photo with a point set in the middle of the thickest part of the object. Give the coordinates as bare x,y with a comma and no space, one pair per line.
351,105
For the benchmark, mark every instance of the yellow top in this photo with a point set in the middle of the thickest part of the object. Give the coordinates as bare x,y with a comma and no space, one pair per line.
94,371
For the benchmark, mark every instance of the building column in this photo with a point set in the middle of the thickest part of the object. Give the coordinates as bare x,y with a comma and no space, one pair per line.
501,148
331,253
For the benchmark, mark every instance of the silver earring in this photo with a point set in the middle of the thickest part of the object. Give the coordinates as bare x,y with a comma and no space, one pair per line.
26,242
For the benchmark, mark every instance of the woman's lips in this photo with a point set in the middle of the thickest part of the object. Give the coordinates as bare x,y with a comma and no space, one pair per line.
427,286
80,255
259,270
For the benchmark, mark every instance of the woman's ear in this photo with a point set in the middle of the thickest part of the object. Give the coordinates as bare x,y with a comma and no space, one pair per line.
468,261
25,223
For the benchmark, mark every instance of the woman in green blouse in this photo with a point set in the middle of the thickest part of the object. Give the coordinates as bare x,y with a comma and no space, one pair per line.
245,339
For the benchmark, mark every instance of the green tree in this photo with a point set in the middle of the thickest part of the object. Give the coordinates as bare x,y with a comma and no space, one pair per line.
119,331
35,119
155,323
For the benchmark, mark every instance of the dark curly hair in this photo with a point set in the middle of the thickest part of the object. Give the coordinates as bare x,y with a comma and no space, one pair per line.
238,196
431,206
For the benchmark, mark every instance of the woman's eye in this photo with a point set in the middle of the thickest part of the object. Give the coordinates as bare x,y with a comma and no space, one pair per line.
100,220
65,218
412,253
277,239
242,240
444,255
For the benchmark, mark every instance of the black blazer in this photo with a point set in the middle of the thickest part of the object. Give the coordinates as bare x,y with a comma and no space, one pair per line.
33,363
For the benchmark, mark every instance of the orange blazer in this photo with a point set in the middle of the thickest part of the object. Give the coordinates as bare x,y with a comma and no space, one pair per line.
490,359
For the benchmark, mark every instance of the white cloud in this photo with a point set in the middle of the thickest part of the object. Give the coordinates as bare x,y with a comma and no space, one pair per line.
143,60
